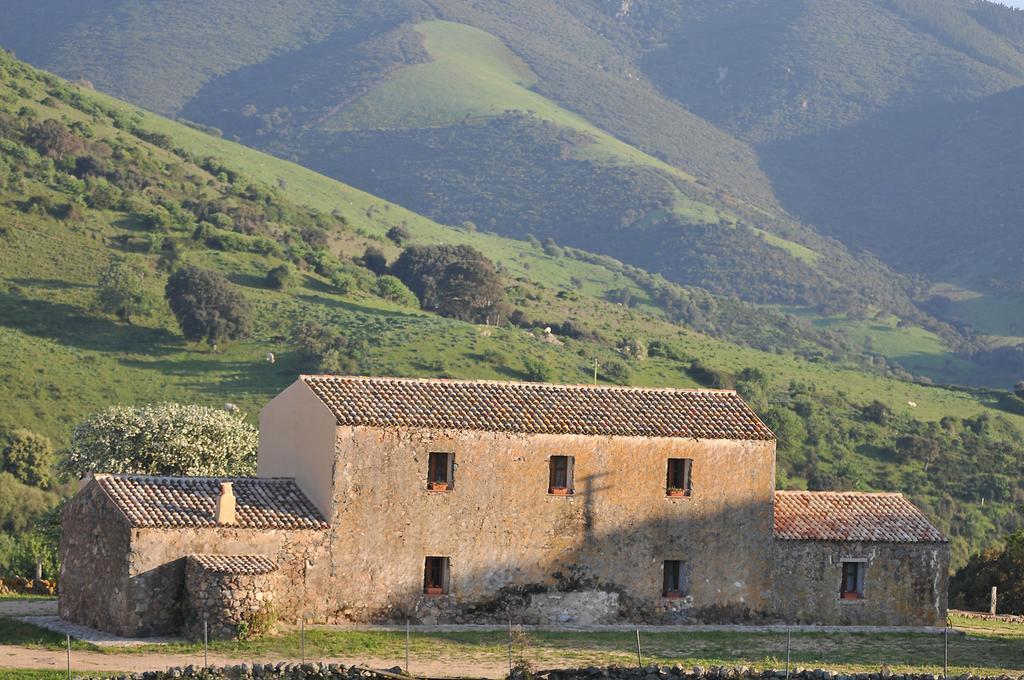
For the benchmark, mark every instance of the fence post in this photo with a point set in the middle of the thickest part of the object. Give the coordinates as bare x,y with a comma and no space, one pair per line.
206,643
992,603
639,658
510,645
302,638
789,642
945,651
69,656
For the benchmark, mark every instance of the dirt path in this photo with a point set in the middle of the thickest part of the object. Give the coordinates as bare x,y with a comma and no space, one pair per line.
83,662
28,607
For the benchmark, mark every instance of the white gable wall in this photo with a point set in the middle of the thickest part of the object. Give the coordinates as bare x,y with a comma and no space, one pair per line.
297,437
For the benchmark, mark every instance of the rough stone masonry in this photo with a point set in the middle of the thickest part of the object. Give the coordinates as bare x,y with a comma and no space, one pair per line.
450,501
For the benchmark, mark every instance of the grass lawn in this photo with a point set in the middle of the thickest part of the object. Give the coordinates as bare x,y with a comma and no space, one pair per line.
14,632
986,648
15,597
990,653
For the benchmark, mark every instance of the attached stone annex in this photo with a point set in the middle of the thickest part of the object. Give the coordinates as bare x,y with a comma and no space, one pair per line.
466,501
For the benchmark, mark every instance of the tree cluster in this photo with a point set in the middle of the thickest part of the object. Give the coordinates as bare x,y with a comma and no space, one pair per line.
455,281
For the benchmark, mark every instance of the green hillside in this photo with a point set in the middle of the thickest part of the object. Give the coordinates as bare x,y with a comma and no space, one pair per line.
85,179
721,143
890,125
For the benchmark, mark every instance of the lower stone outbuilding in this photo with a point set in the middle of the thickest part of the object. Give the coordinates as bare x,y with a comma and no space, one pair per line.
143,556
857,559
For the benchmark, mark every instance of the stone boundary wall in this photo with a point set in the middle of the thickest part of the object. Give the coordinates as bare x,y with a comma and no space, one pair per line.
985,616
320,671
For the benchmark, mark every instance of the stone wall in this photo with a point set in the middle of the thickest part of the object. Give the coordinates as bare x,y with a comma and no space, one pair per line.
157,569
507,537
231,605
95,545
320,671
905,584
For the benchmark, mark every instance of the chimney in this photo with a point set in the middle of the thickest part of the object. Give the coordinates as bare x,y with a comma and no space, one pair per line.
224,513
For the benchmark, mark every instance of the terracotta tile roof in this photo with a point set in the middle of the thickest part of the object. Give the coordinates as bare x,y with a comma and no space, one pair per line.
260,503
236,564
534,408
851,516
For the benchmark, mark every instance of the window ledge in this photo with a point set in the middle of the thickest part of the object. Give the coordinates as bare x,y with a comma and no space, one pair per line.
673,596
560,492
856,600
679,496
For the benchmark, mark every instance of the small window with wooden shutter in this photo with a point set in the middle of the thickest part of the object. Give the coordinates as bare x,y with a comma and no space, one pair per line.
560,475
674,579
435,576
440,471
678,478
852,586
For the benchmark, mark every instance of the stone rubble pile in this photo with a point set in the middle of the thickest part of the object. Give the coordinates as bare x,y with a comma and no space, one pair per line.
18,585
322,671
731,673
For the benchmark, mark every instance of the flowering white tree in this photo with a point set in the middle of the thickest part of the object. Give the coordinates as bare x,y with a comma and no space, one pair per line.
164,439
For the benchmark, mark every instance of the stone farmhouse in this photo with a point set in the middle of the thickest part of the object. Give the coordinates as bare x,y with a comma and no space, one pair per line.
466,501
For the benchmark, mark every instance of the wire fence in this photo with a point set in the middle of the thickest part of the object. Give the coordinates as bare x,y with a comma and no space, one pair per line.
490,651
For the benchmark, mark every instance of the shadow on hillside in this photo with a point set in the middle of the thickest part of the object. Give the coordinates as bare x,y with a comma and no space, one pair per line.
249,281
49,284
215,375
506,371
71,326
357,308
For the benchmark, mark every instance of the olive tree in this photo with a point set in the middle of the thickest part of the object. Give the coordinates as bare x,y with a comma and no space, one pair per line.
164,439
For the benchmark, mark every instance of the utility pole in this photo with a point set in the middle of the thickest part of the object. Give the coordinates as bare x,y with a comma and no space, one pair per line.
595,371
992,604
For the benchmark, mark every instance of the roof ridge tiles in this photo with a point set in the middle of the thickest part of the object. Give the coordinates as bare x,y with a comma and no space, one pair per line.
537,408
523,383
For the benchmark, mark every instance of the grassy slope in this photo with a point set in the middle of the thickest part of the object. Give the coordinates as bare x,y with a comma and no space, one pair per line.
60,360
472,75
375,216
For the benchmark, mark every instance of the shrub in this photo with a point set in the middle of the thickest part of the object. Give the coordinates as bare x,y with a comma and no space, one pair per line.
121,291
374,260
710,377
157,219
342,282
398,235
325,347
551,248
615,371
876,412
29,457
1001,567
281,277
537,370
391,288
22,505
